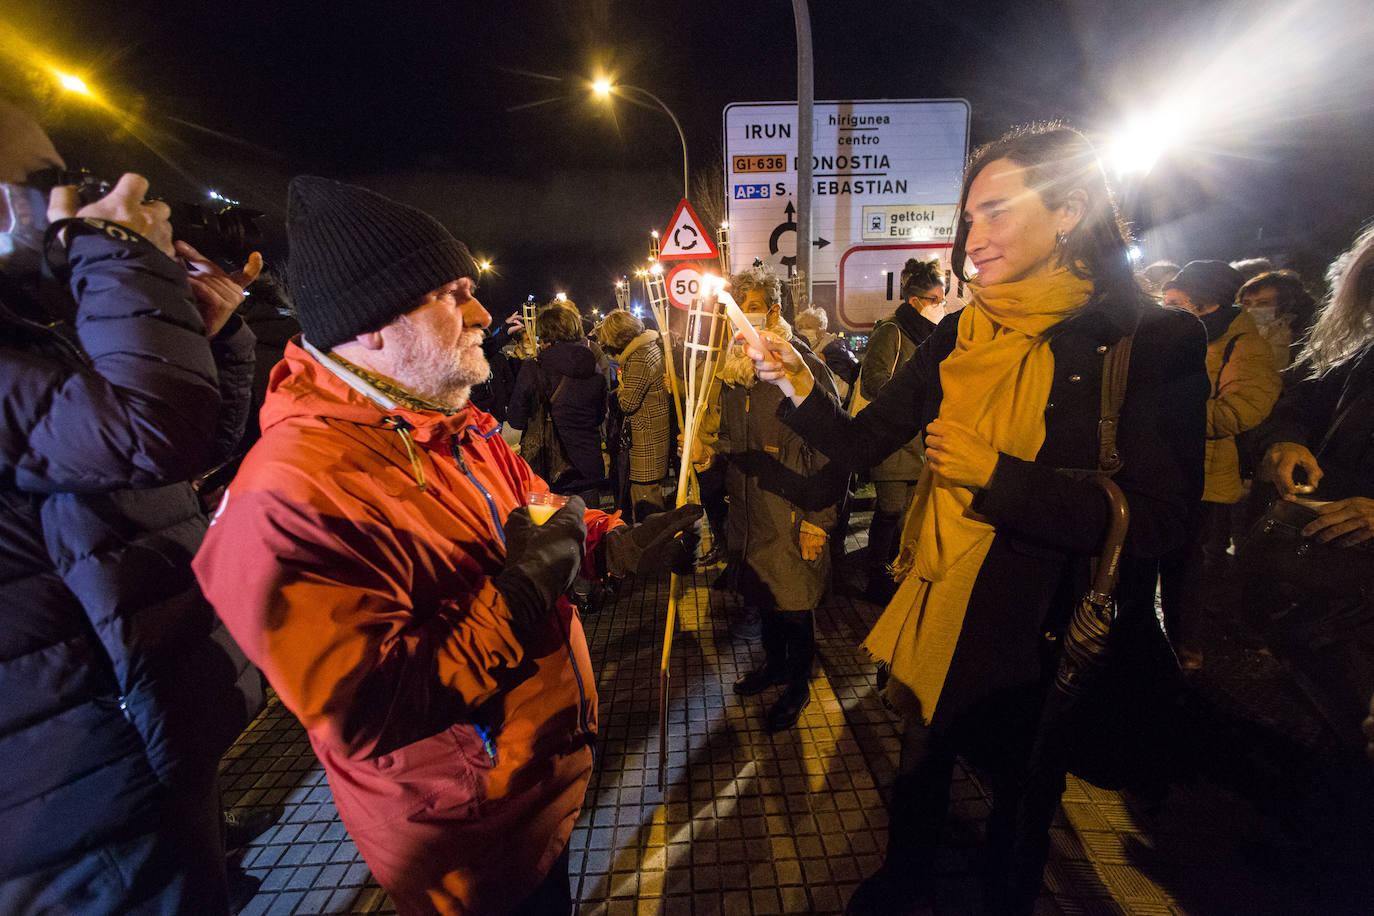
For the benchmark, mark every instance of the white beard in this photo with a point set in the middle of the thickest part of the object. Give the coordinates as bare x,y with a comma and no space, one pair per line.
434,372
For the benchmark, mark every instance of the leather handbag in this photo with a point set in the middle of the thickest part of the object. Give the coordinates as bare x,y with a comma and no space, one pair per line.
1277,552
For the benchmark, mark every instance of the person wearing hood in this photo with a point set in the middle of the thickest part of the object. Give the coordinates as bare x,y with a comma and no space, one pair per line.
891,346
565,375
644,401
783,496
375,556
1244,387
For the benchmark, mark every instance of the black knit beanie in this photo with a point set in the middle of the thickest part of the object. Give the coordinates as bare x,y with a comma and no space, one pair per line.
358,259
1208,282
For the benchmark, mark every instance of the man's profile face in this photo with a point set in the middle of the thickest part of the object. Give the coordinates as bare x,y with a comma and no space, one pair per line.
437,346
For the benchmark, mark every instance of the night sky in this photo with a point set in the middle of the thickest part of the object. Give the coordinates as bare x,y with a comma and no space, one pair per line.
480,112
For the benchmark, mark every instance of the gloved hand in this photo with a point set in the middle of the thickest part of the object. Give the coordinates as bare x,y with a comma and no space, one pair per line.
663,539
541,561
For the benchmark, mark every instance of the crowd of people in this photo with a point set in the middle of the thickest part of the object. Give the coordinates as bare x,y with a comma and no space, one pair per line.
373,555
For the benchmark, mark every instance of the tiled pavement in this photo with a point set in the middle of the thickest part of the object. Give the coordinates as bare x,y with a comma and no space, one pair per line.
759,823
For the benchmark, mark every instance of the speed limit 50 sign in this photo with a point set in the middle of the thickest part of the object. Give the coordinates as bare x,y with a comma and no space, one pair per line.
685,284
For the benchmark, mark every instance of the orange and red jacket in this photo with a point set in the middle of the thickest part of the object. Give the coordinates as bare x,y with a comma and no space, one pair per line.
352,558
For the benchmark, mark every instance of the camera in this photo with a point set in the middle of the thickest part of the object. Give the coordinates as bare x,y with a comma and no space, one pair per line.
229,234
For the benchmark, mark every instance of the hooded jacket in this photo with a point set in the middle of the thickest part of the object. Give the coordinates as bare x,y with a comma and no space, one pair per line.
353,559
115,693
1245,386
579,406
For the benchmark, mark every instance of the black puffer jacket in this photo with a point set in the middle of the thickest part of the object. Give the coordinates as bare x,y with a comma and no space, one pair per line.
114,691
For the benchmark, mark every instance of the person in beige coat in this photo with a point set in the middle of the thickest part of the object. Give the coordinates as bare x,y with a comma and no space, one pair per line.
1245,386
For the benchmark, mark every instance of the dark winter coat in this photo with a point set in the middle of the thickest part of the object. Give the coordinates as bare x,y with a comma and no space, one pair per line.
775,481
891,347
114,691
567,372
1048,524
1305,414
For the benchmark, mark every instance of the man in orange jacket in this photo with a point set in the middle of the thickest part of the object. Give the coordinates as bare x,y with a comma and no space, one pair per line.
374,557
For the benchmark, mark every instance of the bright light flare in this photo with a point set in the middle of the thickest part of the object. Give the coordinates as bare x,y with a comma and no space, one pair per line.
602,87
484,265
656,269
561,297
72,83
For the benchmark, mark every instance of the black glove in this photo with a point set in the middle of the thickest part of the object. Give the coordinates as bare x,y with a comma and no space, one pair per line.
541,561
663,539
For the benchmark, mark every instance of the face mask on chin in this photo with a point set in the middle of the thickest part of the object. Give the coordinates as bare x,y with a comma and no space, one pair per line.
23,220
1263,316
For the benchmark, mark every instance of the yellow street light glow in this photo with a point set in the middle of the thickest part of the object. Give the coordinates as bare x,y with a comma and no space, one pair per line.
602,86
72,83
561,297
656,269
654,233
484,265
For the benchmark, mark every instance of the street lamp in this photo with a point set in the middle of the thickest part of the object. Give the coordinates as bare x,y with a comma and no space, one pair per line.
604,89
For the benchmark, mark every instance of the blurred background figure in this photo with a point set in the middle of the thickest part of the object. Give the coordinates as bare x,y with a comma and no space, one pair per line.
812,324
1244,386
1250,268
646,408
1282,310
891,346
563,383
1152,278
1321,435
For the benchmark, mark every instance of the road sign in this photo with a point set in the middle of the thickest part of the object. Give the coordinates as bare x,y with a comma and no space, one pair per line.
884,172
870,281
687,237
684,284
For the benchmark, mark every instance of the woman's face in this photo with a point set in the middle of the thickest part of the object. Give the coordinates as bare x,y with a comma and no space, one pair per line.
1011,234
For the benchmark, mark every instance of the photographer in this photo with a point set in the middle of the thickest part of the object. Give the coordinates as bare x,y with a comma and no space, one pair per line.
124,374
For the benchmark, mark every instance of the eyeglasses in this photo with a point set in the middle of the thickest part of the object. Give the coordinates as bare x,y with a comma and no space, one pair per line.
931,300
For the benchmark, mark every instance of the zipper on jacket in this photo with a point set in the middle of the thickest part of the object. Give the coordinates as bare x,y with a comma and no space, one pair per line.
583,713
456,449
487,742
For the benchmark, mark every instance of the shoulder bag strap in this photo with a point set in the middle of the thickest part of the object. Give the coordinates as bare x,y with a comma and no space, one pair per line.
1115,367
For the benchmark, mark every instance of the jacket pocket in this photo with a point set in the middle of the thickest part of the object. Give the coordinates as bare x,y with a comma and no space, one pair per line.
444,776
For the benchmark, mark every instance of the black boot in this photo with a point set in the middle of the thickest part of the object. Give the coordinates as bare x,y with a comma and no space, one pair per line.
798,633
774,669
784,714
916,815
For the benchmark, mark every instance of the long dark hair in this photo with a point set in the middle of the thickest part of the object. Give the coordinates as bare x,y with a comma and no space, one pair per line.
1058,161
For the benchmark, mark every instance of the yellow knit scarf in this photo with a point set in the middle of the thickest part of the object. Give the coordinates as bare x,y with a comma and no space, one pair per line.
996,382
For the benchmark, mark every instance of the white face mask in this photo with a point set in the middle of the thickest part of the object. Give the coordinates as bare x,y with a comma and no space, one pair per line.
23,220
1263,316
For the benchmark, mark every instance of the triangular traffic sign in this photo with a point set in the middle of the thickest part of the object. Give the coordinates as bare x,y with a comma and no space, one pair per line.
687,237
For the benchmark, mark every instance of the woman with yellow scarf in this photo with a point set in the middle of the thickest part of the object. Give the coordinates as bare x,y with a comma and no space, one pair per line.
998,541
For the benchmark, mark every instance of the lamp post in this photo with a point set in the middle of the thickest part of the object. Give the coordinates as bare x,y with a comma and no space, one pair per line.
604,89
